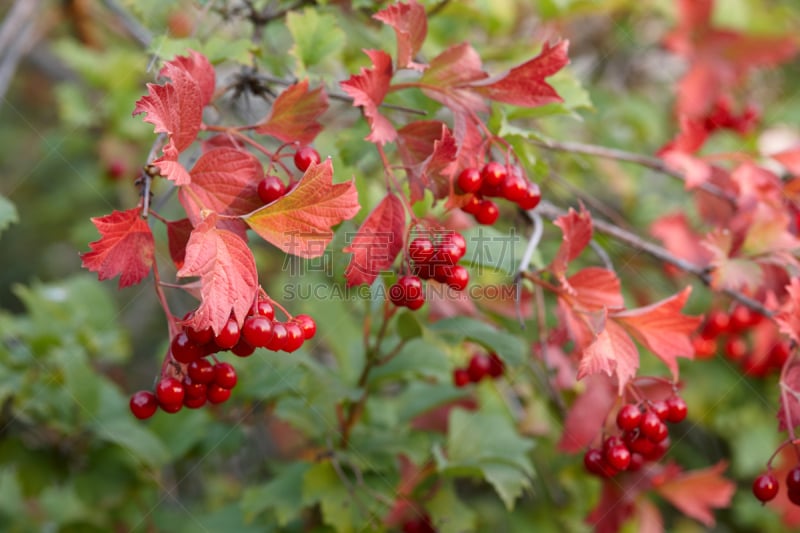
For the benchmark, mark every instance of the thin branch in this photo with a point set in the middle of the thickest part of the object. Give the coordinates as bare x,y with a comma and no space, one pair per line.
139,33
17,35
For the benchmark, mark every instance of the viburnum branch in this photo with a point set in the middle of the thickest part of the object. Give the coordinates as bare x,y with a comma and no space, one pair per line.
533,243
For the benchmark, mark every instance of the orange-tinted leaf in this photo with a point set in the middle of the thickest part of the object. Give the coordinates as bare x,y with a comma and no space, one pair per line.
698,492
178,233
524,85
125,248
595,288
681,241
410,25
789,410
729,271
587,415
224,180
577,232
452,72
300,223
662,328
196,67
612,353
429,152
790,159
227,272
368,90
377,243
295,113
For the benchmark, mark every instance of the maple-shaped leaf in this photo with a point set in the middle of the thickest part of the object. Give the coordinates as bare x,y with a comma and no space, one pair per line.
300,222
125,248
729,271
368,90
594,288
178,233
428,150
196,67
224,180
576,229
612,353
227,271
524,85
698,492
410,24
377,243
451,73
295,113
587,414
662,328
680,239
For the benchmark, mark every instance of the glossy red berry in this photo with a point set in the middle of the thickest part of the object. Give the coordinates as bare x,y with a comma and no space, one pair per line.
193,389
171,407
294,337
479,366
217,393
169,391
225,375
270,189
461,377
629,417
420,250
452,246
143,404
765,487
264,308
716,322
278,337
653,428
243,348
304,157
201,371
408,289
793,479
531,198
742,318
469,180
515,188
194,402
595,463
487,213
183,349
257,330
307,324
458,278
619,457
472,204
660,408
637,462
677,409
229,336
493,173
496,365
200,337
416,303
735,348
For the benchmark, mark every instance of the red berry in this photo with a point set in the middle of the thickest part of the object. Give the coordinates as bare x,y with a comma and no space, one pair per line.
452,246
677,409
765,487
201,371
278,337
637,462
217,393
658,450
183,349
420,250
270,189
479,366
225,375
716,322
471,206
307,324
735,348
416,303
642,445
171,407
515,188
229,336
407,289
169,391
487,213
264,308
257,330
629,417
619,457
793,479
201,337
493,173
458,278
194,402
294,337
742,317
461,377
496,365
193,389
531,198
595,463
419,524
653,428
243,348
143,404
794,496
469,180
304,157
661,409
704,348
779,354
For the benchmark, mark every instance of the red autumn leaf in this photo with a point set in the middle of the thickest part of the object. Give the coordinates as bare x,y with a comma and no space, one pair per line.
662,328
524,85
612,510
730,272
577,232
125,248
469,140
451,74
178,233
368,90
612,353
788,318
410,25
594,288
295,113
789,410
698,492
377,243
227,271
587,415
790,159
428,150
224,180
196,67
300,223
681,241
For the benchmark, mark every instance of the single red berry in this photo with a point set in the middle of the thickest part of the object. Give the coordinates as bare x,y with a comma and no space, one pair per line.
225,375
479,366
493,173
171,407
257,330
742,318
658,450
618,457
515,188
408,288
397,295
461,377
441,272
765,487
420,250
660,408
264,308
704,348
472,204
532,197
453,246
183,349
595,463
793,479
194,402
200,337
294,337
169,390
641,445
304,157
653,428
469,180
458,278
716,322
270,189
736,348
677,409
496,365
637,462
448,253
307,324
629,417
201,371
243,348
487,213
794,496
229,336
193,389
779,354
419,524
217,393
278,337
611,441
143,404
416,303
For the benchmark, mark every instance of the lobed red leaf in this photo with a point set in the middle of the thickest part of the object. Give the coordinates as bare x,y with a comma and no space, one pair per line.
410,24
178,233
368,90
612,353
295,113
698,492
576,228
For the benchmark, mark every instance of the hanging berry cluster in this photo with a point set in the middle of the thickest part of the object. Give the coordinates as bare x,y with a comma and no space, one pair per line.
479,367
495,180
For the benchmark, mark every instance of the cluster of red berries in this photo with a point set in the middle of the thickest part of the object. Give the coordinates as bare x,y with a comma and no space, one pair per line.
495,180
730,330
202,380
272,187
419,524
644,437
437,260
766,486
480,366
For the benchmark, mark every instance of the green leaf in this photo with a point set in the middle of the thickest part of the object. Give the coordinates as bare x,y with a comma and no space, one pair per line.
62,505
183,432
419,357
283,494
316,37
81,380
11,499
420,397
408,327
509,347
143,446
448,513
488,248
322,485
8,213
